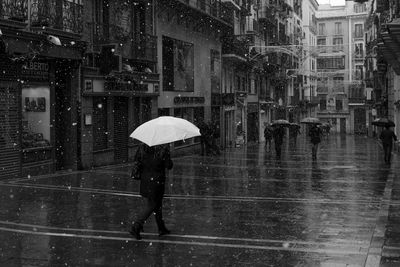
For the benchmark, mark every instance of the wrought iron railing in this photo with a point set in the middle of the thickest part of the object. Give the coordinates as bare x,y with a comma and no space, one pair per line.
14,10
58,14
213,8
143,46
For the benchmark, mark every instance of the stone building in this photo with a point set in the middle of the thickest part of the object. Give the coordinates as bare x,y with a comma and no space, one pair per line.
340,65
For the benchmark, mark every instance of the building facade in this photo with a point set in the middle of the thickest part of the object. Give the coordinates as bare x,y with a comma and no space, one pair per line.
341,53
383,62
40,60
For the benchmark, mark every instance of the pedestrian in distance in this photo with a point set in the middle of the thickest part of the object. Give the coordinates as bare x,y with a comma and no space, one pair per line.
315,136
268,136
278,134
387,136
294,131
214,135
154,162
204,138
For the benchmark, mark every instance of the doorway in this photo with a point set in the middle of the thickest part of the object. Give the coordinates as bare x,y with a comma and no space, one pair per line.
121,137
342,125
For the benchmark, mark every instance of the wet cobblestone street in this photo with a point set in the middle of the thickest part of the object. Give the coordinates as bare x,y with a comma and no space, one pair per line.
242,208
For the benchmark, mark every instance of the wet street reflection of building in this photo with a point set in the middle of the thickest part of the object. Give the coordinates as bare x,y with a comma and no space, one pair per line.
242,208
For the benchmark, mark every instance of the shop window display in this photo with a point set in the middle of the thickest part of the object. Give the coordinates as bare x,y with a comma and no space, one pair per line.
35,117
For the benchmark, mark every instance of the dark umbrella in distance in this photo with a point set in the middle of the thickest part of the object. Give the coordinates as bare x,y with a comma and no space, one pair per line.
383,122
294,125
310,120
280,123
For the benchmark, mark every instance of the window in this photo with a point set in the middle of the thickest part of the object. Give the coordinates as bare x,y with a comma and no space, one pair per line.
359,31
178,65
35,117
330,63
322,103
338,28
359,75
358,50
339,104
321,42
338,44
215,71
100,130
321,29
359,8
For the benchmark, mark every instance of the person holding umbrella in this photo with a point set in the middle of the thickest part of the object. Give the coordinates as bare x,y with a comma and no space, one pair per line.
315,135
278,134
387,136
154,159
294,130
268,135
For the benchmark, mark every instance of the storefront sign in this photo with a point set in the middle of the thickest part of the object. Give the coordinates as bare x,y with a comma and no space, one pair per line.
124,86
189,100
35,70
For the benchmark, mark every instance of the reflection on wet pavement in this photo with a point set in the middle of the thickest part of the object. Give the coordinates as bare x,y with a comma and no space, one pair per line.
242,208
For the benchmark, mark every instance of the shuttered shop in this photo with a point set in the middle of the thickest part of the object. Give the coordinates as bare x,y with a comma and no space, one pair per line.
10,145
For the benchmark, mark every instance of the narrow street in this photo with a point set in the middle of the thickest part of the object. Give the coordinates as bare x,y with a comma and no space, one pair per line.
242,208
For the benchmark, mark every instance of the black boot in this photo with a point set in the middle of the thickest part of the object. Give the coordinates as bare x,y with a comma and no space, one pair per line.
162,230
135,230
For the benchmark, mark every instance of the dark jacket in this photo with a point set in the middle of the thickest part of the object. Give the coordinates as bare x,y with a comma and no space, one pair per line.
155,160
315,134
267,132
387,137
278,134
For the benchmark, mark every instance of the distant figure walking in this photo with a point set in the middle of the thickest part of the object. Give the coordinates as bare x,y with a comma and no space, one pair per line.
204,138
293,132
387,136
278,134
315,134
268,136
154,161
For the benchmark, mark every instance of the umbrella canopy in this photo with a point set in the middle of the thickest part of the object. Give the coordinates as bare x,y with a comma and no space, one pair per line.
383,122
294,125
311,120
165,129
281,122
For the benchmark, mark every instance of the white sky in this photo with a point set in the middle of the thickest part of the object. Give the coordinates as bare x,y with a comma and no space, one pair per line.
333,2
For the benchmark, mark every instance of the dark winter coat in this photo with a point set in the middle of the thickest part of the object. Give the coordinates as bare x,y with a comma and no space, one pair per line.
267,133
387,137
315,134
155,160
278,134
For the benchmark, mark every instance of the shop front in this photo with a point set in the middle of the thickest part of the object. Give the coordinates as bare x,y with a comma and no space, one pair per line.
240,118
38,115
252,122
112,107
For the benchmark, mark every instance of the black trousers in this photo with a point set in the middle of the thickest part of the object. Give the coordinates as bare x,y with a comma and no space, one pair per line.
387,149
314,150
152,206
278,149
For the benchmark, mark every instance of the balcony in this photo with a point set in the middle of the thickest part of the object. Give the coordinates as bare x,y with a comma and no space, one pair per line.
322,89
14,12
357,100
214,9
134,45
382,5
266,14
236,46
59,15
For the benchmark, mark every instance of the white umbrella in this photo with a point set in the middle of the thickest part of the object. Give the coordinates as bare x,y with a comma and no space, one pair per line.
165,129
